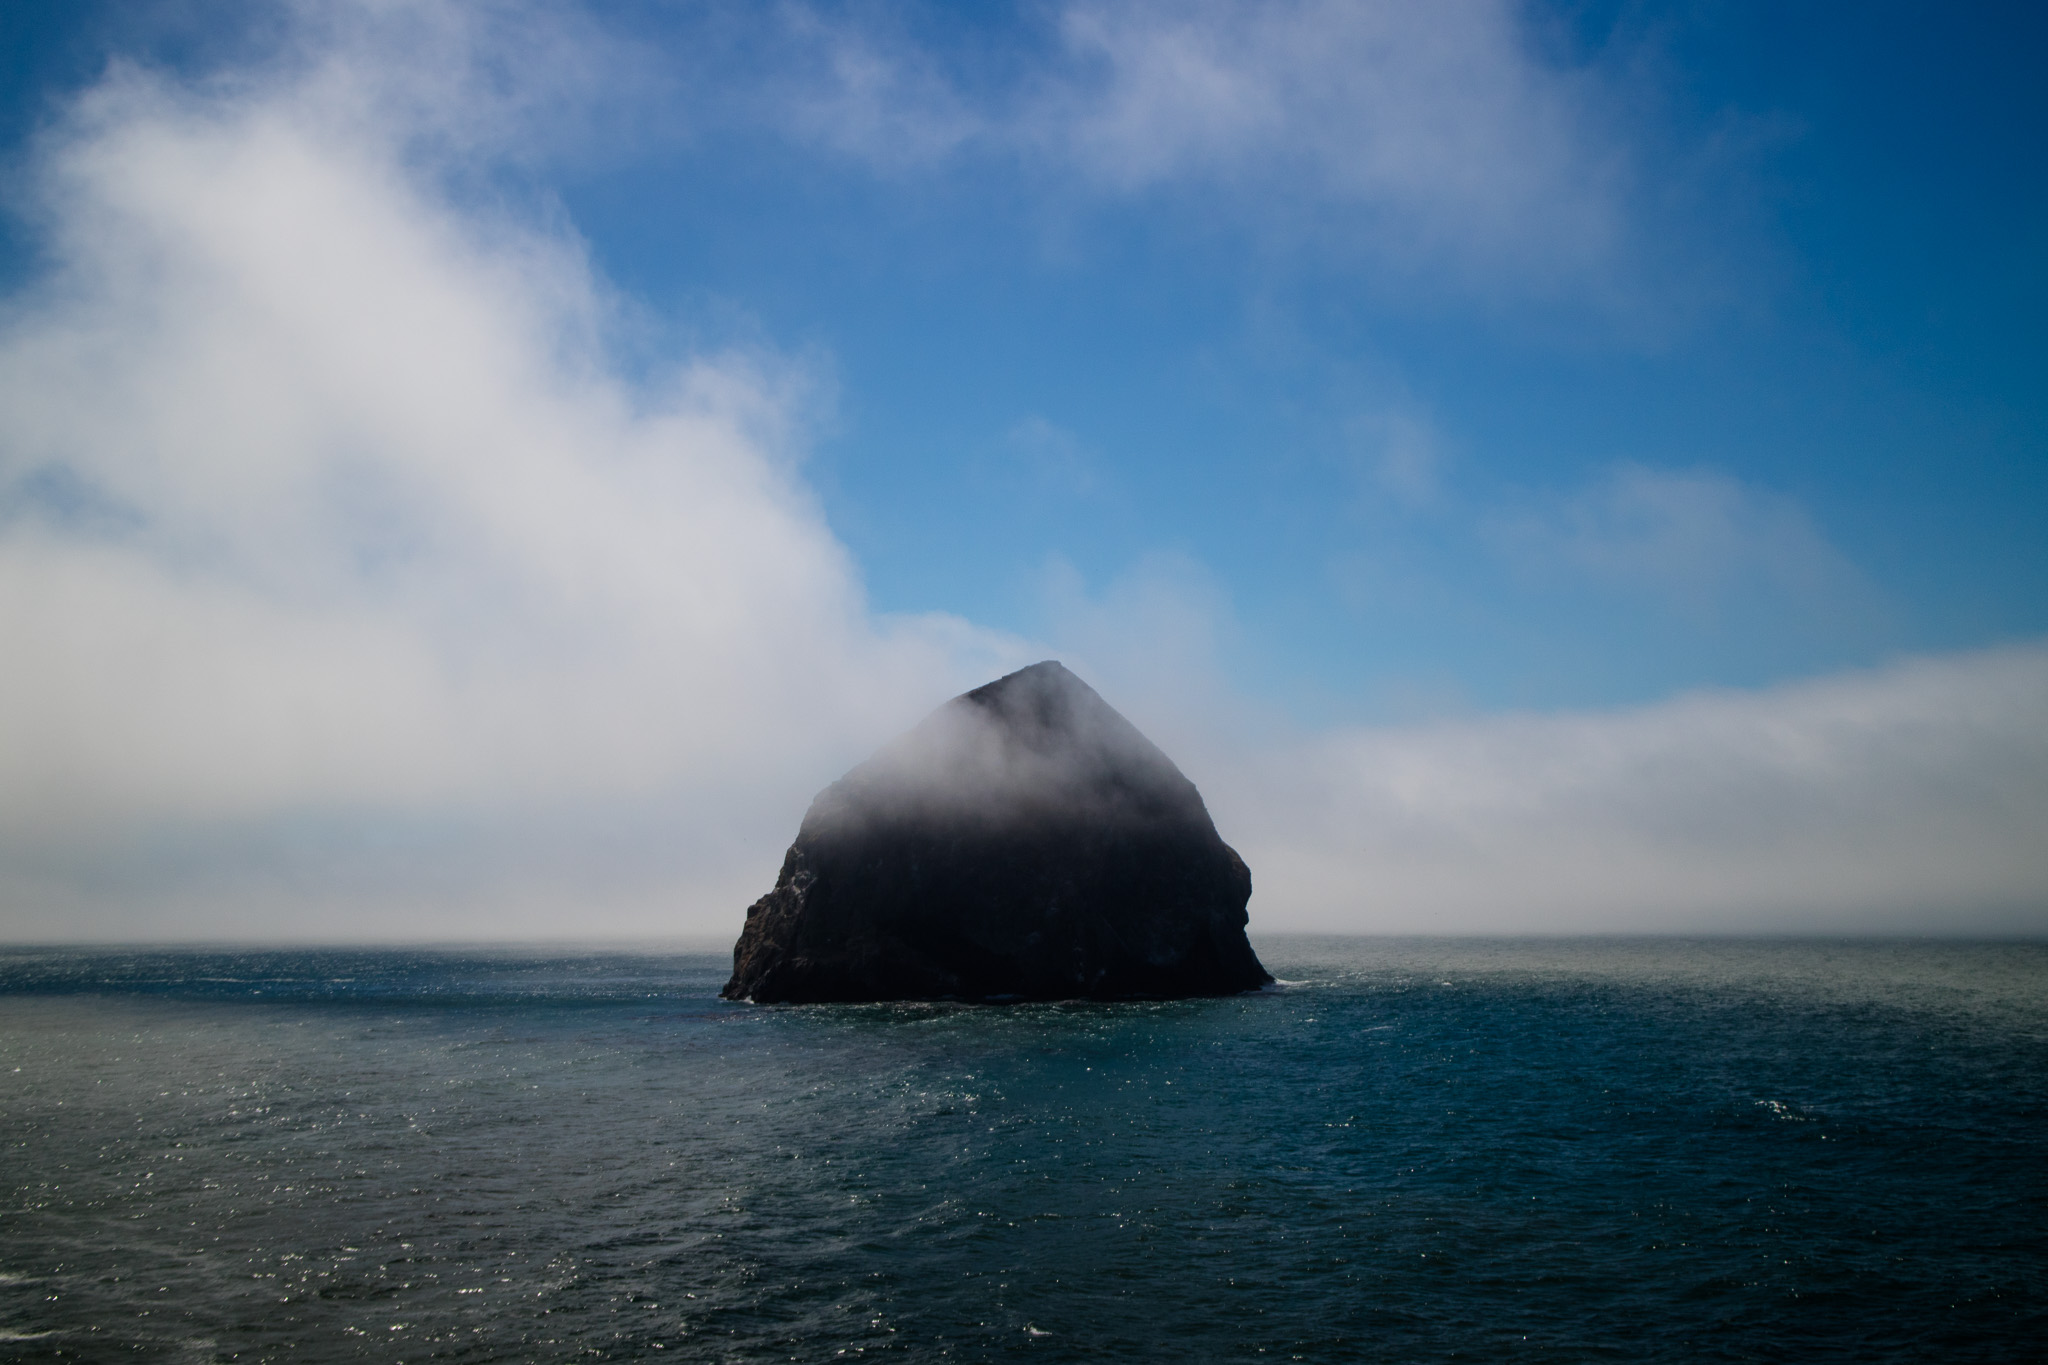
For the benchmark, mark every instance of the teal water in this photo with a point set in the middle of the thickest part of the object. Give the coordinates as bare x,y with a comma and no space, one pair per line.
1410,1151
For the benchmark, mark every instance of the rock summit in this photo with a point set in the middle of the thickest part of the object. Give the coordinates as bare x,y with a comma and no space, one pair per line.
1024,842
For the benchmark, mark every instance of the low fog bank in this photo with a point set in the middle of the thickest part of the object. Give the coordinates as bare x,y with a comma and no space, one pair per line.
350,590
1908,799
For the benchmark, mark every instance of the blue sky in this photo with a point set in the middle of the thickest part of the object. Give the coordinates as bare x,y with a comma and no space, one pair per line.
1824,296
1314,375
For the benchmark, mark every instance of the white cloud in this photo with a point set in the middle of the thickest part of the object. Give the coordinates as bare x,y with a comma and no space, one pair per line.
866,89
1436,119
1691,537
1909,798
324,505
1416,136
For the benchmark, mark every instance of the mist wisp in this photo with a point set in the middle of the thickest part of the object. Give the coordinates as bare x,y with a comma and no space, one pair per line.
1037,747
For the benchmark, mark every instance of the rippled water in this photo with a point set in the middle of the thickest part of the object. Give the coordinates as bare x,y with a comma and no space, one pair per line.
1412,1151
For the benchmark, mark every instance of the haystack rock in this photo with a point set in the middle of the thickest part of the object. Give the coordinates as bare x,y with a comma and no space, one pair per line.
1024,842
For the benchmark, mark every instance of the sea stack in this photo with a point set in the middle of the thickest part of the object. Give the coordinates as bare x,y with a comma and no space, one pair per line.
1024,842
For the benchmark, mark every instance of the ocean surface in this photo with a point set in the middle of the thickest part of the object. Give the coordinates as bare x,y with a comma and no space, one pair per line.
1637,1150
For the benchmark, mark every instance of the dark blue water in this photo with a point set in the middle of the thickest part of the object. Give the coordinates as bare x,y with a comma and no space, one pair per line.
1414,1151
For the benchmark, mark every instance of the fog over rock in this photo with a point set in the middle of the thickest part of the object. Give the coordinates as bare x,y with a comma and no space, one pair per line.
1023,842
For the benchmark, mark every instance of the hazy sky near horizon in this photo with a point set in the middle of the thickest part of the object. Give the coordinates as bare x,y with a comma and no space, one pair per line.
475,470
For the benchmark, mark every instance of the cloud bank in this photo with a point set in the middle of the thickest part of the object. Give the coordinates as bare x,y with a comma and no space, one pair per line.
323,500
1908,798
351,587
1905,799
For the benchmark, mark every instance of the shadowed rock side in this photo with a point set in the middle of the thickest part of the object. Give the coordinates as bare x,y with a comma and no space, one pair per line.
1023,842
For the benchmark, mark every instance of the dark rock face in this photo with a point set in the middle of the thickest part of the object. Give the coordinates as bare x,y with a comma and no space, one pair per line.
1023,842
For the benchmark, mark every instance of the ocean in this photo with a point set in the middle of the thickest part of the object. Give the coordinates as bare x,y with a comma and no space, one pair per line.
1410,1150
